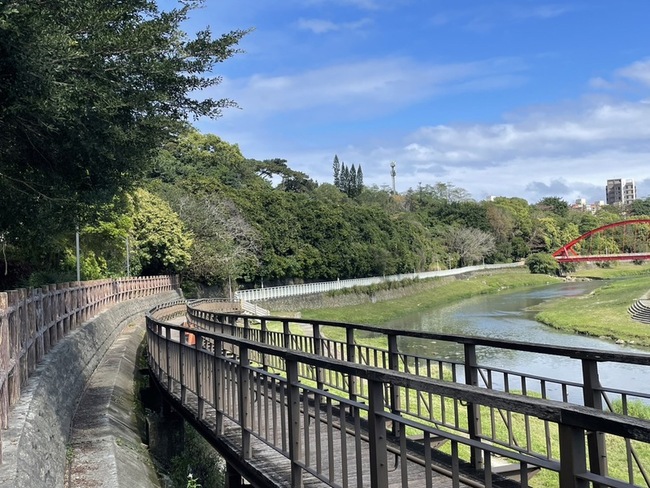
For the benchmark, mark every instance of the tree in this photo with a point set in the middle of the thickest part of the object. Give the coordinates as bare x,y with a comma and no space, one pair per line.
161,243
88,91
337,171
359,180
225,245
470,244
555,205
640,207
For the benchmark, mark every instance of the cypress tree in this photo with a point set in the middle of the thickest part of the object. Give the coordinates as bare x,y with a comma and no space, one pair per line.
359,180
337,172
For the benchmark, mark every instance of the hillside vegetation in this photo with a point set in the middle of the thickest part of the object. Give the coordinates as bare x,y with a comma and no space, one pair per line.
96,139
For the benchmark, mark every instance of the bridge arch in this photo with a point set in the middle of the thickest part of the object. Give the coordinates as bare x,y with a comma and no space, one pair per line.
567,252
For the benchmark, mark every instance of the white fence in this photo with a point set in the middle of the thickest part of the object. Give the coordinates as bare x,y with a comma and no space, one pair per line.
258,294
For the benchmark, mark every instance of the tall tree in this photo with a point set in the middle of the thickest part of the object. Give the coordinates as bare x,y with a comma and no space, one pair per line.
359,180
351,188
337,171
88,91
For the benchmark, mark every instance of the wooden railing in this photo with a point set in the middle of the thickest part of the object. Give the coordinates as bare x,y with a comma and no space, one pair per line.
32,321
484,413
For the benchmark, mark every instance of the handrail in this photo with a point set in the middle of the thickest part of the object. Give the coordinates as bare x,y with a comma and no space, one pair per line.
406,399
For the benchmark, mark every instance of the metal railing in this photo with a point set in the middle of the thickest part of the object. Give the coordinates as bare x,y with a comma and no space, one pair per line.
484,413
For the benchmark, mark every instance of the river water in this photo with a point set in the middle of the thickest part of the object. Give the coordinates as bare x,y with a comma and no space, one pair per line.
507,316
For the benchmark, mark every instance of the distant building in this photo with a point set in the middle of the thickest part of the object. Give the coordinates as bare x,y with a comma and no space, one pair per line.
620,192
582,205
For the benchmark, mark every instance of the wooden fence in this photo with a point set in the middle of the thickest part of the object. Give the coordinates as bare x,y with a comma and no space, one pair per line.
33,321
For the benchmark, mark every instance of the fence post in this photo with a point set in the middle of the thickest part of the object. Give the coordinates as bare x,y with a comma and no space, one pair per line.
218,385
264,336
293,391
350,350
181,364
393,365
377,435
572,456
244,401
593,398
473,410
318,350
198,353
286,334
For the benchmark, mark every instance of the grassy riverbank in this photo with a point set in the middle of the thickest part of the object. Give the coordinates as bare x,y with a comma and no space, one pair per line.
434,293
602,313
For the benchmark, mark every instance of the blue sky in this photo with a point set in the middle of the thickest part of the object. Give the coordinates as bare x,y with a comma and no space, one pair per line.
511,98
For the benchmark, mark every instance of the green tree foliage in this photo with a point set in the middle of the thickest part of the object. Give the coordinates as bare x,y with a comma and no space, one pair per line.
88,91
640,208
542,263
348,180
555,205
336,166
161,242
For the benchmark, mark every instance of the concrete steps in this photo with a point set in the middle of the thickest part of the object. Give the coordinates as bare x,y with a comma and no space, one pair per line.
640,311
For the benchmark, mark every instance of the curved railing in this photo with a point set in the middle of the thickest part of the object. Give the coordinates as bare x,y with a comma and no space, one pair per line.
34,320
273,371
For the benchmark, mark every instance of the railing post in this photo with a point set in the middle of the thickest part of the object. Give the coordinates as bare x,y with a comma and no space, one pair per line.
572,456
264,336
244,401
593,398
293,392
377,435
393,365
218,386
181,364
286,334
168,358
350,353
198,346
318,350
473,410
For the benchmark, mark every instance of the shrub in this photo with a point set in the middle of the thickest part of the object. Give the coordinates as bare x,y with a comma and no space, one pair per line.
542,263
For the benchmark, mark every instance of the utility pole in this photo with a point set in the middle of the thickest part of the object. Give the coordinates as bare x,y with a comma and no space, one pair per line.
78,255
393,173
128,257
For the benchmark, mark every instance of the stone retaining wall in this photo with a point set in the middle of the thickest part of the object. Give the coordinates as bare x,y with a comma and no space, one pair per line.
35,444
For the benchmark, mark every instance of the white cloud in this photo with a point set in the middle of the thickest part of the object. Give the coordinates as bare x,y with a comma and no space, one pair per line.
360,4
366,87
639,72
321,26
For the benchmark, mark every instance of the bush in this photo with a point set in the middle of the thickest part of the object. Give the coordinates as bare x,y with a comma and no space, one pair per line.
542,263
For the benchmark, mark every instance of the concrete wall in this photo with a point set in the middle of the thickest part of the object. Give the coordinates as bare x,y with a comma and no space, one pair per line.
35,444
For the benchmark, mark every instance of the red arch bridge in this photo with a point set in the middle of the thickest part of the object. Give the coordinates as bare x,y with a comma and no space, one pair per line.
628,240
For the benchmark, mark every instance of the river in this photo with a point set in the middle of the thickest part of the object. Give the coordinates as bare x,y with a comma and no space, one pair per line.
508,316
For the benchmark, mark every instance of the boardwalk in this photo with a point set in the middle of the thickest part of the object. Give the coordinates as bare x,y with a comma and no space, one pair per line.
296,410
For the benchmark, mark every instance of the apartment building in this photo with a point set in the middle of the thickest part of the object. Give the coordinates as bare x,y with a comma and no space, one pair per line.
620,191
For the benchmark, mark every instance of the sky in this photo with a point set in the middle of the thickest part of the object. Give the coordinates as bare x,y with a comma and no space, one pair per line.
515,98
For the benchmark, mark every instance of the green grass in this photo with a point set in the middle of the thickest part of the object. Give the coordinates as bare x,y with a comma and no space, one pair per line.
617,270
602,313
